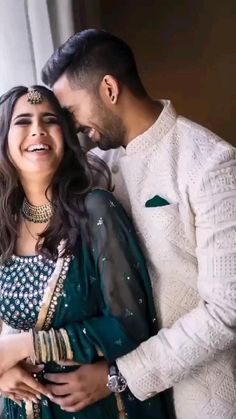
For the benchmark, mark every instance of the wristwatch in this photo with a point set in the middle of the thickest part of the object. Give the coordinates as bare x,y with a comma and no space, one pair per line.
116,382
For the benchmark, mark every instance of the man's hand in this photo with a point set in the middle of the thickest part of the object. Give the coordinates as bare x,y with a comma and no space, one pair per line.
80,388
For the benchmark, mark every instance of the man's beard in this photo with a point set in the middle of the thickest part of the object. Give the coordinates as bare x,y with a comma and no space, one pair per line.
113,133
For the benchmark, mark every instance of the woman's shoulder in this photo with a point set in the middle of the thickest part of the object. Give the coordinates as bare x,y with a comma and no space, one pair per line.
99,200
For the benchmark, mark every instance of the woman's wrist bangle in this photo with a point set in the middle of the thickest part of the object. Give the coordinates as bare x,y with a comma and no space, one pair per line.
52,345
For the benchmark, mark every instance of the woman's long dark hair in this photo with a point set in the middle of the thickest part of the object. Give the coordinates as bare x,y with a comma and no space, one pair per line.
72,181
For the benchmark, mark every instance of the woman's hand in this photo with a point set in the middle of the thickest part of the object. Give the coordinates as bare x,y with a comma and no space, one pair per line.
19,384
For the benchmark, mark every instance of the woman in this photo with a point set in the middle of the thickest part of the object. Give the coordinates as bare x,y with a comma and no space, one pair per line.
72,277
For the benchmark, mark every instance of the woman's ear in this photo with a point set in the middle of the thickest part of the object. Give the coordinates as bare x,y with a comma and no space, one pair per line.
110,89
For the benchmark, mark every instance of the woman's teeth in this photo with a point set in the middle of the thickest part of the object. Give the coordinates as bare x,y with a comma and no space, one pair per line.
38,147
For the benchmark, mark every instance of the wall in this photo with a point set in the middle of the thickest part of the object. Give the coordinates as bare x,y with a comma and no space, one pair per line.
185,51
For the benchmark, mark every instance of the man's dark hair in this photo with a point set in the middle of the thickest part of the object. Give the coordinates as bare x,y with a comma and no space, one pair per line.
88,56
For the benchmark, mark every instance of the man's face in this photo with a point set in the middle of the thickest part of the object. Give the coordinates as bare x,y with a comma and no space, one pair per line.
91,116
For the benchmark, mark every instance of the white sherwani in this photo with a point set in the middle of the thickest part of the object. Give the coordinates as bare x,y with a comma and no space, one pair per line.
190,246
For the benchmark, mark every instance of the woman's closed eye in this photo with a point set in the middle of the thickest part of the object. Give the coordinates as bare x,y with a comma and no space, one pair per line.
46,120
23,121
51,120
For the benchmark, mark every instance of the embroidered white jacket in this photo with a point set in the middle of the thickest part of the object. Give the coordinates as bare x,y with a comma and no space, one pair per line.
190,246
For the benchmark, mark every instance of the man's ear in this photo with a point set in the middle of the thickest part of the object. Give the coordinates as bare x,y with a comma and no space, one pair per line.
109,89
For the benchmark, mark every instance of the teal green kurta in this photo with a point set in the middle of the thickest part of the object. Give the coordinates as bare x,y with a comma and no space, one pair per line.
106,303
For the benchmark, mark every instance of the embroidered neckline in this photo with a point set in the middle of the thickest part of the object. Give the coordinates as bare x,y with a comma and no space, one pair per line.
158,130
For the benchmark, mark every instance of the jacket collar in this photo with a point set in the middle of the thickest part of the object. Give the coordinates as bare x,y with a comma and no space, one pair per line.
157,131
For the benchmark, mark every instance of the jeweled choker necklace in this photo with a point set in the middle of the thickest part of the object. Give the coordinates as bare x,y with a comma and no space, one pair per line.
36,214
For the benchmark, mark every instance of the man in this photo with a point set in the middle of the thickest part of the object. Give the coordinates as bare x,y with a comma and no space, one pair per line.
179,180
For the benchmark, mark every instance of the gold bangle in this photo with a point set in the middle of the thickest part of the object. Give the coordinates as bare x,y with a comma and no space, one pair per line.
48,346
43,348
55,353
62,345
69,353
33,355
59,344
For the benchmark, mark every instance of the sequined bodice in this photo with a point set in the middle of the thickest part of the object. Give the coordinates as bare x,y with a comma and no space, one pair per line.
23,280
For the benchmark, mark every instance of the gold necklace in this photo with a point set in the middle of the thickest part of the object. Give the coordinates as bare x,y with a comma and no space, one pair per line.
36,214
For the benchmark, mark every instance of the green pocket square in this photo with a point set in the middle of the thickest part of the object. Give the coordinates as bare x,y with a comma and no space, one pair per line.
156,201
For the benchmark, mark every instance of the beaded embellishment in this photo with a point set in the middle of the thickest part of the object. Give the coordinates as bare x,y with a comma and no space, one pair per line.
23,281
34,97
36,214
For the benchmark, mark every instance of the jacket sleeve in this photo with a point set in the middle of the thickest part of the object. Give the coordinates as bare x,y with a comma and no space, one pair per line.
209,329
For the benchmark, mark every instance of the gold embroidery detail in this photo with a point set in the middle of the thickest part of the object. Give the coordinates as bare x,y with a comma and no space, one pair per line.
48,308
52,293
56,294
36,411
29,410
120,406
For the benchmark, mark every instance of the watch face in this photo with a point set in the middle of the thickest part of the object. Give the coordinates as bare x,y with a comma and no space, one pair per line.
116,383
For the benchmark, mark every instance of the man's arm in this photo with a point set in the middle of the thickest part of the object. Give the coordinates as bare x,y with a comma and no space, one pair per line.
209,329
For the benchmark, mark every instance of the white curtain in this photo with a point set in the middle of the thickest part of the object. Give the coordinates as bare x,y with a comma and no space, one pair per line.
29,32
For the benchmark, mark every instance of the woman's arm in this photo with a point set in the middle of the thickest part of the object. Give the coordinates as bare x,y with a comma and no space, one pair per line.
14,348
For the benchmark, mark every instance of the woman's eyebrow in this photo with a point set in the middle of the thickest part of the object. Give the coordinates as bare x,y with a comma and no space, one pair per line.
23,115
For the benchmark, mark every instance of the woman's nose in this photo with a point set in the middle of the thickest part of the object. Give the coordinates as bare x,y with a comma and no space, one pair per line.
38,128
40,133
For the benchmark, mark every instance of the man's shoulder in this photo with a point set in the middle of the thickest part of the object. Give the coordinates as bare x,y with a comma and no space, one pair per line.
111,157
201,143
199,134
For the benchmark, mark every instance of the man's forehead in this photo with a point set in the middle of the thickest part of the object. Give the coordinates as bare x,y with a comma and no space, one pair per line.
63,93
58,90
68,96
61,84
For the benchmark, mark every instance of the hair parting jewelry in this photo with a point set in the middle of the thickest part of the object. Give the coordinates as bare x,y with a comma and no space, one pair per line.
36,214
34,97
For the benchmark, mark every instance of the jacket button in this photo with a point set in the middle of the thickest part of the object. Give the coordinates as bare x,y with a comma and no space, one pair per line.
115,169
148,395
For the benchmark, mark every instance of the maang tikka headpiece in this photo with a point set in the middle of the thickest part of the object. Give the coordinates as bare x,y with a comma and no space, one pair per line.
34,97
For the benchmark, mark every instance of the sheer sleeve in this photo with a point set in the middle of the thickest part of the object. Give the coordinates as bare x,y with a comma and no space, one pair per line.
127,314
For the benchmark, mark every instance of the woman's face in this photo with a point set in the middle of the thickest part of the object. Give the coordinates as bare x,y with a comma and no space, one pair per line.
35,139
